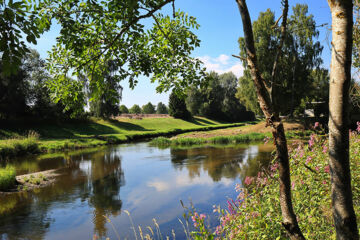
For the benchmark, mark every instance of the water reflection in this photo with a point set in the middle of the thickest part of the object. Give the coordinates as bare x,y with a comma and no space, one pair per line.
156,179
94,180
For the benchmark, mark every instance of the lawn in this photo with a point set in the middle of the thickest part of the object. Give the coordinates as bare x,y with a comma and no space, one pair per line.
95,132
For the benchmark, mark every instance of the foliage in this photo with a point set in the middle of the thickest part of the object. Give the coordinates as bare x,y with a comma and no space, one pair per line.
19,146
18,20
105,97
7,178
93,33
218,99
135,109
148,108
177,107
243,138
300,49
255,213
123,109
161,108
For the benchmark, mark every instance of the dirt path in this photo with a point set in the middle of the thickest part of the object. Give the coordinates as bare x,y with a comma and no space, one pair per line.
259,128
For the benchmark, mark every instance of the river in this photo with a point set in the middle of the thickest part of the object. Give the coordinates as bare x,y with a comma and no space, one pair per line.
146,181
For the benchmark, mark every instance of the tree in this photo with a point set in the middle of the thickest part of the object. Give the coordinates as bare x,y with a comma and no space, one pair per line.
218,99
148,108
93,33
161,108
300,48
177,107
18,19
265,98
135,109
106,97
124,109
340,77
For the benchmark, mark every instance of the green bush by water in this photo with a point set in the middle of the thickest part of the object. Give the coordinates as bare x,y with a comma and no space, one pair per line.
19,146
7,178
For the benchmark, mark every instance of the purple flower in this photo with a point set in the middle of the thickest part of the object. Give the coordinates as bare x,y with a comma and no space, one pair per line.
308,159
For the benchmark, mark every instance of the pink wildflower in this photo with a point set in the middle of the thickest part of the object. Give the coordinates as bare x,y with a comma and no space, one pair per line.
312,140
302,182
327,169
324,182
274,167
248,180
255,214
316,125
308,159
292,185
266,140
317,168
325,148
202,216
358,127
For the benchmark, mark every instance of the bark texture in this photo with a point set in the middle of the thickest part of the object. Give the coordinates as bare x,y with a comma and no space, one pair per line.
340,75
264,97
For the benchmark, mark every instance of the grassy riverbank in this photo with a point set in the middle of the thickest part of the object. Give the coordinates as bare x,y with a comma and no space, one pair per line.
18,139
234,135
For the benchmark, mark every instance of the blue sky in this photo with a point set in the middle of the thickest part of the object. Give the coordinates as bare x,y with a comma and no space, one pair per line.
220,28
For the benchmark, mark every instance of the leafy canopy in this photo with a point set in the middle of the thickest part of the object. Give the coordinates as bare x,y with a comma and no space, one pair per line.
96,32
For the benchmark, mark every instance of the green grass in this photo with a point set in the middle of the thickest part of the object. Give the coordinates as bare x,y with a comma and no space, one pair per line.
7,178
94,132
244,138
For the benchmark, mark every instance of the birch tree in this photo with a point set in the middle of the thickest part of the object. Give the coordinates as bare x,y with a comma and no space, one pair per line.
340,76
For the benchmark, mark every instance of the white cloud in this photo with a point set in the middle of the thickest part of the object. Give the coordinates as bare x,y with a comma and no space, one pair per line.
223,64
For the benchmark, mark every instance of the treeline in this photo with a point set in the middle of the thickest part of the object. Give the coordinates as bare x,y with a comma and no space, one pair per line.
148,108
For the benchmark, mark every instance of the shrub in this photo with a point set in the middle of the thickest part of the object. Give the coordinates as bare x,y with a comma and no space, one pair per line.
256,214
124,109
148,108
177,107
7,178
161,108
135,109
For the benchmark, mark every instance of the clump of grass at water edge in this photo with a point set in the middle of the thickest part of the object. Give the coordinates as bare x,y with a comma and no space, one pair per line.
7,178
244,138
20,145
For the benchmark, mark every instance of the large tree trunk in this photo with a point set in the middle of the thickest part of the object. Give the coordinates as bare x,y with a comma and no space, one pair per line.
340,75
264,97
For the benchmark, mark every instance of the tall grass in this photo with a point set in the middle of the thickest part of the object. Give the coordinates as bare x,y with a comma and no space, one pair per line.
19,146
7,178
244,138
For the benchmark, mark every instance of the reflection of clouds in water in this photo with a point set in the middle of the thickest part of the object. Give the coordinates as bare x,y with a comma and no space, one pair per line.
251,151
183,180
85,166
160,186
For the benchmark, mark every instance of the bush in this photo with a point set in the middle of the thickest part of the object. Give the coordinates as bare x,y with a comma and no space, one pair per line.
7,178
135,109
177,107
124,109
161,108
148,108
256,214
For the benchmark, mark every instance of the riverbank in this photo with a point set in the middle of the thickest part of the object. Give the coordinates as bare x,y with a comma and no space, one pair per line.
233,135
20,139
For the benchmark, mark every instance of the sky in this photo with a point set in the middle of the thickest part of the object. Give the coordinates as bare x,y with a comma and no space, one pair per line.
220,28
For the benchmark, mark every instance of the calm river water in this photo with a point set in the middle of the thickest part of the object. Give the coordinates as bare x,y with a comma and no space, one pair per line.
146,181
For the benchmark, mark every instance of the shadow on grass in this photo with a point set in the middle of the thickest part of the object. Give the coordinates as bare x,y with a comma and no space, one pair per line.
202,122
128,126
